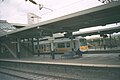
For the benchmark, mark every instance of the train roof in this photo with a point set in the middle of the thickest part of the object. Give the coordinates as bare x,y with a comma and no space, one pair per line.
61,40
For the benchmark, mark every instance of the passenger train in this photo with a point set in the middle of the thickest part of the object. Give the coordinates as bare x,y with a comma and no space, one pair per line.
61,45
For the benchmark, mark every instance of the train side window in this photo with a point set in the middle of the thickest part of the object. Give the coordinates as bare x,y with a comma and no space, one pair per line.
68,44
61,45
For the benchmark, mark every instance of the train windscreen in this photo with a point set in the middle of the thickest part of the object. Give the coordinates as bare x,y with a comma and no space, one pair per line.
83,42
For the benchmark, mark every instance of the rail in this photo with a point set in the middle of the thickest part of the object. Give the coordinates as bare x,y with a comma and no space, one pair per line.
28,75
66,70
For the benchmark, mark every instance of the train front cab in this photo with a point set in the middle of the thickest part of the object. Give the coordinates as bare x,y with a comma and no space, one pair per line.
83,47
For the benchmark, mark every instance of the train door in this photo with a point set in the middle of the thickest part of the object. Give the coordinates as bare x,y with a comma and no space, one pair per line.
41,48
35,47
46,48
76,45
67,46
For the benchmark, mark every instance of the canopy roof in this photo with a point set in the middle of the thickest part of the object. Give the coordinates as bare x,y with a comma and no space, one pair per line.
97,16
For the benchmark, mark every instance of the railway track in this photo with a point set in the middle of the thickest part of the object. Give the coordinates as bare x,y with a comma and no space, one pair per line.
24,75
36,70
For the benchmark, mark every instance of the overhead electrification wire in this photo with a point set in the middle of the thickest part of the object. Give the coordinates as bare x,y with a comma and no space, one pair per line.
65,6
40,5
70,4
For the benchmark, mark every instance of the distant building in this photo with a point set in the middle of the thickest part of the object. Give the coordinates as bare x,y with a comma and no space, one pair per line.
32,18
5,26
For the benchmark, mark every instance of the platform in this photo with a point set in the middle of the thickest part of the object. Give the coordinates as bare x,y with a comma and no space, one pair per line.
89,67
101,60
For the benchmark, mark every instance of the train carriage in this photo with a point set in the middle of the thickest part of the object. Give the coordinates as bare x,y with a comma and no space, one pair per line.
61,45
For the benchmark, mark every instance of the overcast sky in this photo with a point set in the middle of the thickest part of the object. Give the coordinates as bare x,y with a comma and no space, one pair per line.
15,11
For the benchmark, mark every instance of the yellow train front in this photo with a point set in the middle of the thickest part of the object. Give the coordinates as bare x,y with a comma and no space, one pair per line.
61,45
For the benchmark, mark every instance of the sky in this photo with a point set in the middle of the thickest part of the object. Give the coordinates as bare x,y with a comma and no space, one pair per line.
15,11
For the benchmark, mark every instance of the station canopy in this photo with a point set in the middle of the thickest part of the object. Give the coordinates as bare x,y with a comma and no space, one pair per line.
100,31
96,16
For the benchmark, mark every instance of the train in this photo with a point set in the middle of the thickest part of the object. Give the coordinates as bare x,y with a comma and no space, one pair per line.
61,45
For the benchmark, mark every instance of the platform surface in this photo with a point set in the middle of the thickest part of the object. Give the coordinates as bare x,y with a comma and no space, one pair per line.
102,60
